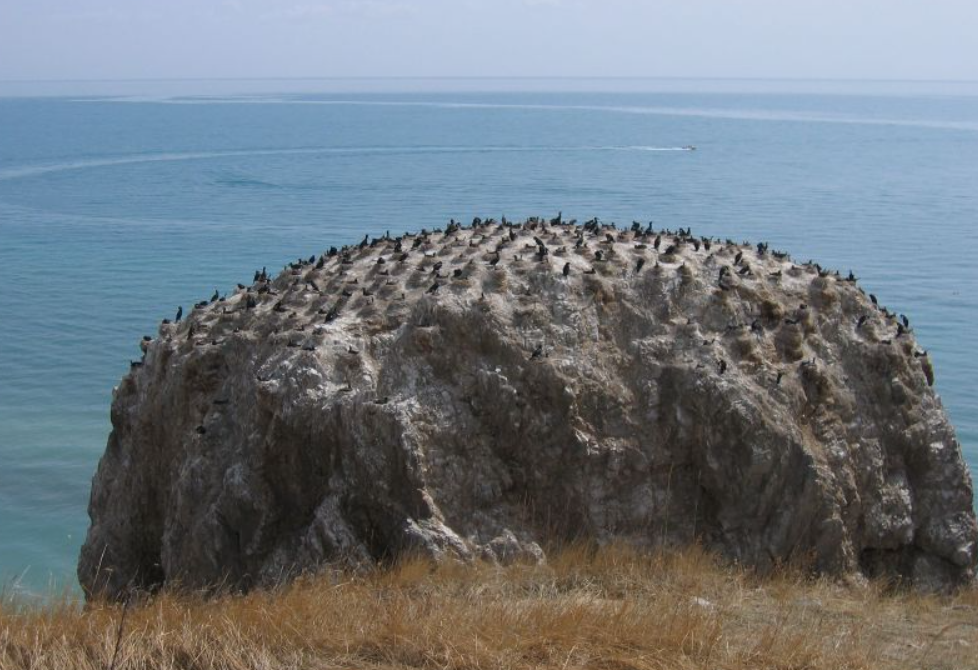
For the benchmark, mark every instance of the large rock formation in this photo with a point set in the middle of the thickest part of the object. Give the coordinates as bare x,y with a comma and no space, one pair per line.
486,390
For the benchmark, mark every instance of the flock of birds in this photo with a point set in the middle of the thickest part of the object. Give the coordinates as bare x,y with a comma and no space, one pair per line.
313,292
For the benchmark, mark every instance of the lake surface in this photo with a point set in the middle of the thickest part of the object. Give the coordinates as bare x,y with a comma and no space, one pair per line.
114,210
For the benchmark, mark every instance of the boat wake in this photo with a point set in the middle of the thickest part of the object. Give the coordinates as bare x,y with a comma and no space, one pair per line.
27,171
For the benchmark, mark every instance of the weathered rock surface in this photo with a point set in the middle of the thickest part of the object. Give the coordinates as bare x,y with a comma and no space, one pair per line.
349,411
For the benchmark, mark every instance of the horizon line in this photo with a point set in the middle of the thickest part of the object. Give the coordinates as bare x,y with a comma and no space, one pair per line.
874,80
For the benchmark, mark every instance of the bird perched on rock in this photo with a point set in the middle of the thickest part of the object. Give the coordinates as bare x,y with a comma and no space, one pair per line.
566,270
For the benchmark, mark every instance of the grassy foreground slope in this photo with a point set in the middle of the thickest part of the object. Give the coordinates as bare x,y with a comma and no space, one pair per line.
609,609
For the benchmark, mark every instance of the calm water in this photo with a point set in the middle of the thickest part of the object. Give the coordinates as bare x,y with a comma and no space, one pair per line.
113,211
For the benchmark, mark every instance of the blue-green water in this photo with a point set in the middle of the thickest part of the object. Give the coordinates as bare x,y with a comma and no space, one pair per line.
113,211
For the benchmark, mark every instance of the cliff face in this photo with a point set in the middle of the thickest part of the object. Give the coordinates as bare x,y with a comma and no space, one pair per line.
587,384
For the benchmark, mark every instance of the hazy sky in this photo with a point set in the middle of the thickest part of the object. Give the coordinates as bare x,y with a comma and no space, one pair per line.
107,39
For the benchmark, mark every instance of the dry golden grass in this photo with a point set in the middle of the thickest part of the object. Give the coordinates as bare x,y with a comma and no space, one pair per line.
612,609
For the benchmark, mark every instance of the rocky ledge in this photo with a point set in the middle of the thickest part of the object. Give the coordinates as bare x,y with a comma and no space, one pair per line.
485,391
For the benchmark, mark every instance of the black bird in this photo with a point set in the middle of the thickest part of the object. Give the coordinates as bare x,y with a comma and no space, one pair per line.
777,382
901,330
215,296
906,321
537,353
862,320
873,298
598,256
434,288
200,430
658,241
590,271
609,238
639,265
566,269
457,273
495,261
722,366
179,314
740,254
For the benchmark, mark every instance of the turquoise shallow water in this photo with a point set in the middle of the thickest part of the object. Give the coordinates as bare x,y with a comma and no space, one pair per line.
113,211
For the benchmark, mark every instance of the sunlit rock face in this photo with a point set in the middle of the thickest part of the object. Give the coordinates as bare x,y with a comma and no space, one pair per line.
483,392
